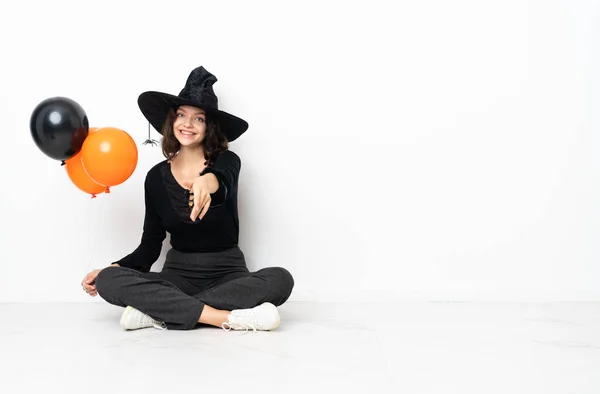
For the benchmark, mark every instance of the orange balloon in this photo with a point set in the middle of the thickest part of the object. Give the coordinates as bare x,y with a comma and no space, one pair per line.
109,156
79,177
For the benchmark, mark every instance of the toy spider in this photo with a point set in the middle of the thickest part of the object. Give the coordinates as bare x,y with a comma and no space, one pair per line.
150,141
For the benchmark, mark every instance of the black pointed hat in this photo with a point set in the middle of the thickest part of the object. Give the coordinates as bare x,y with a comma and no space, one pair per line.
198,92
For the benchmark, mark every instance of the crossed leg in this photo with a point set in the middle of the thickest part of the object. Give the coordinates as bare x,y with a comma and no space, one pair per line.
181,305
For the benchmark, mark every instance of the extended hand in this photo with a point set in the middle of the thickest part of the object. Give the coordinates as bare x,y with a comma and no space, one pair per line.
200,191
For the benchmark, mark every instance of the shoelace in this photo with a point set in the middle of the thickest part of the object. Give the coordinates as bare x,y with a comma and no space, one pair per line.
243,314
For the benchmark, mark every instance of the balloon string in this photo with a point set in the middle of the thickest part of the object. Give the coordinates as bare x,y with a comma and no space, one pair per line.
90,226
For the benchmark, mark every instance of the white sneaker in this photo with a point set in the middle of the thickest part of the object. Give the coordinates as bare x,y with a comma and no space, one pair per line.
264,317
132,319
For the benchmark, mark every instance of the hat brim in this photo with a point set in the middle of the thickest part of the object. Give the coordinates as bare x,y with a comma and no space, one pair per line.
155,105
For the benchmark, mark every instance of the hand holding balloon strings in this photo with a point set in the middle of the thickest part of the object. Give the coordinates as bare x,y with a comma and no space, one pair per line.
94,159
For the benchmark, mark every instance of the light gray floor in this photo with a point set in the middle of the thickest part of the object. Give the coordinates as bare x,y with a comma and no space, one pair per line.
319,348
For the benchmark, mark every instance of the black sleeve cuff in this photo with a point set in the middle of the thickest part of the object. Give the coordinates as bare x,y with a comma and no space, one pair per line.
217,198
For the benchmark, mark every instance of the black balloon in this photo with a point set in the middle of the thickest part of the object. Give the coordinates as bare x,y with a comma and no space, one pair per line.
59,126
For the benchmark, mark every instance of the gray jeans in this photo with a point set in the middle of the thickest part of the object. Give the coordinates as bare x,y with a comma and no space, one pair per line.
189,281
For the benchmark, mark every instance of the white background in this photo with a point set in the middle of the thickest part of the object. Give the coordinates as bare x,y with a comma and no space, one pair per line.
431,150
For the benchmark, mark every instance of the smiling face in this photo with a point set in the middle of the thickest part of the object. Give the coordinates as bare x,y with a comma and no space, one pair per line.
189,126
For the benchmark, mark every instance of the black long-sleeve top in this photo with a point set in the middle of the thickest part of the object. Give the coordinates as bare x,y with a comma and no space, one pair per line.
167,210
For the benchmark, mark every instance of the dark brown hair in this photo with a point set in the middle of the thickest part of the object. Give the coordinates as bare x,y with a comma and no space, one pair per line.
214,140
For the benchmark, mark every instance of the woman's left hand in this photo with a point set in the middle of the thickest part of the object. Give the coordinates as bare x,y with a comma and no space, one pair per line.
200,191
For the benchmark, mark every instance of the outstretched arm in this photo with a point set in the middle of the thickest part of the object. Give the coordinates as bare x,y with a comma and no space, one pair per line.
216,184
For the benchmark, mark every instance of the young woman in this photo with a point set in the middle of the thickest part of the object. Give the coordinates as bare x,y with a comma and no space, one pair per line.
192,195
